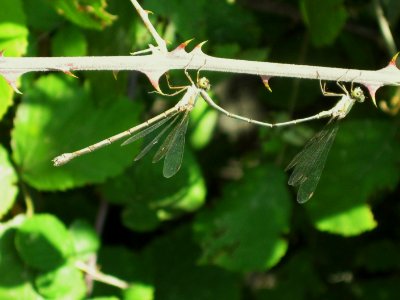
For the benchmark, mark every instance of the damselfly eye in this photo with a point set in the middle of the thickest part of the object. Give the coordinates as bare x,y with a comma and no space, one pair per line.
358,94
204,83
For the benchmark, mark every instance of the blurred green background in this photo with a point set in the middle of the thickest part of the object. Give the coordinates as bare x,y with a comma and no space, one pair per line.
227,226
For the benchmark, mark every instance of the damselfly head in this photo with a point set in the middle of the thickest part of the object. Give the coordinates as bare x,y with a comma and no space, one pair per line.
358,94
203,83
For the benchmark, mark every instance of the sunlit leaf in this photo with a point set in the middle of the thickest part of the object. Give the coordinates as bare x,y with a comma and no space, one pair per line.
204,120
13,40
90,14
69,41
14,283
57,116
43,242
8,181
85,239
66,282
361,163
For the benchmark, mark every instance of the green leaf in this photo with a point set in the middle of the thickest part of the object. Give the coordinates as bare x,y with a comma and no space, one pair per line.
8,183
173,259
56,116
372,259
139,291
287,280
108,298
147,206
14,40
65,282
13,30
6,96
205,120
212,24
113,260
384,288
41,16
85,239
89,13
15,278
43,242
243,230
69,41
392,10
139,216
362,161
324,19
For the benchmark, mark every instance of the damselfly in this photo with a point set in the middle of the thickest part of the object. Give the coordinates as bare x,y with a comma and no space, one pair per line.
172,148
308,164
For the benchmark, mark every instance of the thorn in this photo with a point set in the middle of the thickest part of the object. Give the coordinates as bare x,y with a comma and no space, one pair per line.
13,85
201,44
70,73
11,79
372,91
115,74
197,49
187,42
394,59
265,79
182,46
154,78
149,12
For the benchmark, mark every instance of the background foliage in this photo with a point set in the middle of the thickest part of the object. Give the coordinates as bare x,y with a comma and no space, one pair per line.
227,226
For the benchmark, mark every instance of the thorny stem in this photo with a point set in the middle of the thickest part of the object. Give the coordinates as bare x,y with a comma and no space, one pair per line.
154,63
160,61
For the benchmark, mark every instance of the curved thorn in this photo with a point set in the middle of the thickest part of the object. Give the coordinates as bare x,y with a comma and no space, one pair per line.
394,59
265,80
372,91
182,46
199,45
115,74
70,73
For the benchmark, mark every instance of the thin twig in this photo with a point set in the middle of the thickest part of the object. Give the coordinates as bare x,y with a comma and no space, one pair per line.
162,45
385,28
101,277
99,226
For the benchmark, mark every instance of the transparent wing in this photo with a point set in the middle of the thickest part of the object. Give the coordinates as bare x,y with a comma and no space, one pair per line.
146,149
169,140
148,130
309,163
174,155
